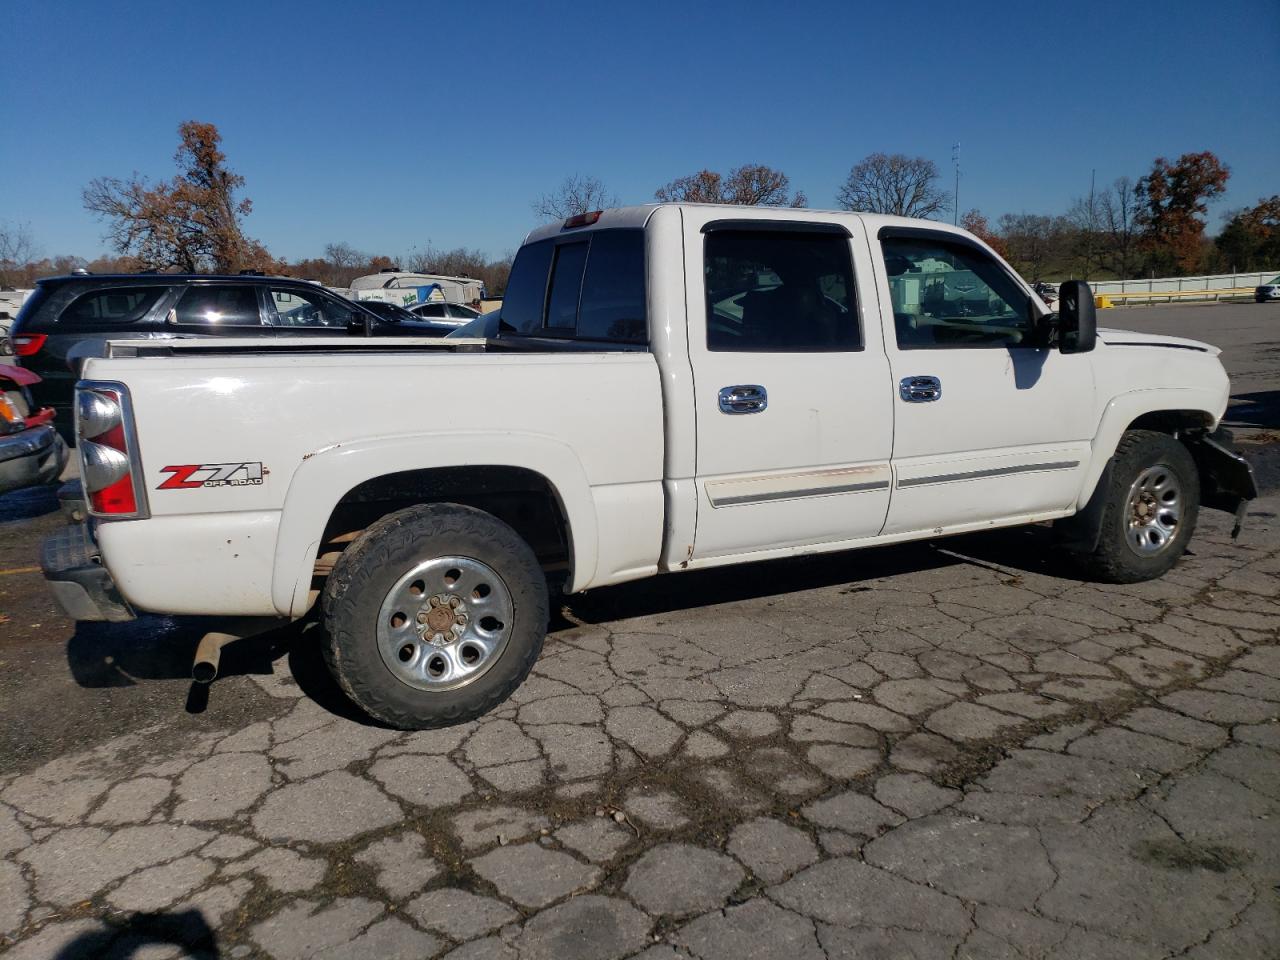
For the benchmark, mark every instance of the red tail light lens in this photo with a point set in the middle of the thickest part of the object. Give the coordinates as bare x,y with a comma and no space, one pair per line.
108,464
29,344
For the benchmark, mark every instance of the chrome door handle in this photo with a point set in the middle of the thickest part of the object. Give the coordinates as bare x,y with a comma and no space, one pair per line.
743,398
920,389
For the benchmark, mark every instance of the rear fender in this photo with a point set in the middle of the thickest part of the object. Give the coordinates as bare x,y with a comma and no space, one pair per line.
326,476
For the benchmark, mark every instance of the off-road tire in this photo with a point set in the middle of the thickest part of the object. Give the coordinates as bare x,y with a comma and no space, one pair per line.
1112,560
384,552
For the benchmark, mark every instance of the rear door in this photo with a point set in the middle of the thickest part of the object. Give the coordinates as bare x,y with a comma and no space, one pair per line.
792,396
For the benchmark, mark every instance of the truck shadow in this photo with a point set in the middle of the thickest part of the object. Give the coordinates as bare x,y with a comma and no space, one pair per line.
1261,409
28,504
141,933
151,648
1015,550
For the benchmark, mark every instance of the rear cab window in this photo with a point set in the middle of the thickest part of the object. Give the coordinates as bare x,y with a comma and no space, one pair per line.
584,286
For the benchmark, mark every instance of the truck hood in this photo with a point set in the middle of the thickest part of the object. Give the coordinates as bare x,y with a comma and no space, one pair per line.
1128,338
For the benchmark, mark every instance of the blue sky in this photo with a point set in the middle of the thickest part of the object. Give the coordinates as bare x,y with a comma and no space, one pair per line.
395,125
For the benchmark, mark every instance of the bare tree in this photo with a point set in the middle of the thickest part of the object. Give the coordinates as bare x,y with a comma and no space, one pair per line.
1118,206
1035,241
751,185
1085,218
576,194
344,256
462,262
896,184
16,250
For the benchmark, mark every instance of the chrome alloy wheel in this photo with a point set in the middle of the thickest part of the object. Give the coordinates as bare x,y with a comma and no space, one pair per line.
444,623
1153,511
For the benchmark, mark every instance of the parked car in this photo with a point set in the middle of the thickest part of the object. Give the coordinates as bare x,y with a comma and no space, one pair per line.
1265,292
485,326
672,387
65,311
454,313
394,313
31,452
1046,292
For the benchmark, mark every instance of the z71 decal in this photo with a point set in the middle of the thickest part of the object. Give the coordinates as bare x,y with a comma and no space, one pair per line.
192,476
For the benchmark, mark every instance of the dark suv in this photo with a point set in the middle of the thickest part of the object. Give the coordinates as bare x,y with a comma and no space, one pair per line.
64,311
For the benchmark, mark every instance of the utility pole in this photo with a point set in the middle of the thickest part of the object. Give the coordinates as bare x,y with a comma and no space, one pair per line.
955,160
1088,255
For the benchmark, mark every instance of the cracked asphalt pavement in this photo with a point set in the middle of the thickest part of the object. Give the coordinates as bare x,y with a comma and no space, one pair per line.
937,750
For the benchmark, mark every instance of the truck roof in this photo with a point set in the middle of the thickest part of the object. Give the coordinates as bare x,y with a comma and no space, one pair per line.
638,216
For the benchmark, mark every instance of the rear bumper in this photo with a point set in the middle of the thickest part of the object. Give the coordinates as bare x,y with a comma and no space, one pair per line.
33,457
80,584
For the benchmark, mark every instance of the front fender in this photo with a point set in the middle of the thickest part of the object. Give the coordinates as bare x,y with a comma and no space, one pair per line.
326,476
1125,408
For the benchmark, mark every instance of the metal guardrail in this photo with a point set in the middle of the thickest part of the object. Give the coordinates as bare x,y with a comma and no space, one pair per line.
1105,300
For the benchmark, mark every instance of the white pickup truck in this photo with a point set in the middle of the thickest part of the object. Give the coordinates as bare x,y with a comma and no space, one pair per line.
670,387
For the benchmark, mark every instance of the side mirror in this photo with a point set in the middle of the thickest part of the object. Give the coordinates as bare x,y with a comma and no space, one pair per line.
1077,322
361,325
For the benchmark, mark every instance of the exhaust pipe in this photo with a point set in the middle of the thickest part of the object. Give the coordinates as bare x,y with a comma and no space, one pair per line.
204,669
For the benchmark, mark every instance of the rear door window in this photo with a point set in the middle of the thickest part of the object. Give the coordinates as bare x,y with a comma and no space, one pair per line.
780,291
112,306
219,305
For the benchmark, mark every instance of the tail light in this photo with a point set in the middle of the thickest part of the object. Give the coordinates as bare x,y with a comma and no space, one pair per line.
28,344
12,419
110,469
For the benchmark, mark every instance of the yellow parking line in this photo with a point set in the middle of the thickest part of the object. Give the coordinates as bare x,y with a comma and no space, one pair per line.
15,570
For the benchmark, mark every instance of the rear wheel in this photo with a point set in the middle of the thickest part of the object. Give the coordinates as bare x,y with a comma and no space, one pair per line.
1151,507
434,615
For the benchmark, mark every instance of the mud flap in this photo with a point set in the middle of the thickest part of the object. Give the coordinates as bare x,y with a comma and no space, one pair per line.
1226,479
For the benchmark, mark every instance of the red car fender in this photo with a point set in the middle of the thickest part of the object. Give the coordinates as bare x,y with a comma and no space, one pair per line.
19,375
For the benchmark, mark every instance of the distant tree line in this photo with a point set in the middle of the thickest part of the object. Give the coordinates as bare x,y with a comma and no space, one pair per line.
1154,225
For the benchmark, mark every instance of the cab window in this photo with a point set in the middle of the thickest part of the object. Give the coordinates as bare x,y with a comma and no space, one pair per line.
947,294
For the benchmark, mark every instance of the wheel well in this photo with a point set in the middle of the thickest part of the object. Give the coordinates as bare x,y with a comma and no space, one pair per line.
521,498
1172,421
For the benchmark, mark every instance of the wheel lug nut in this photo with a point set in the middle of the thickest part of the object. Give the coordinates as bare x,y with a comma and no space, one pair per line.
453,602
422,616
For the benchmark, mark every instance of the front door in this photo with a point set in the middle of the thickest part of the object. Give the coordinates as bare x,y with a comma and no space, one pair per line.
990,426
794,417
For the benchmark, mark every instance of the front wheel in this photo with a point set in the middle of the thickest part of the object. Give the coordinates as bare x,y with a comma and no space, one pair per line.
1152,501
434,616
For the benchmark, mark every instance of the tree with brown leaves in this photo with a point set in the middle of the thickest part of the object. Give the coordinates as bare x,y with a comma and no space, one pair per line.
1251,238
977,224
751,185
895,184
1172,198
192,222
